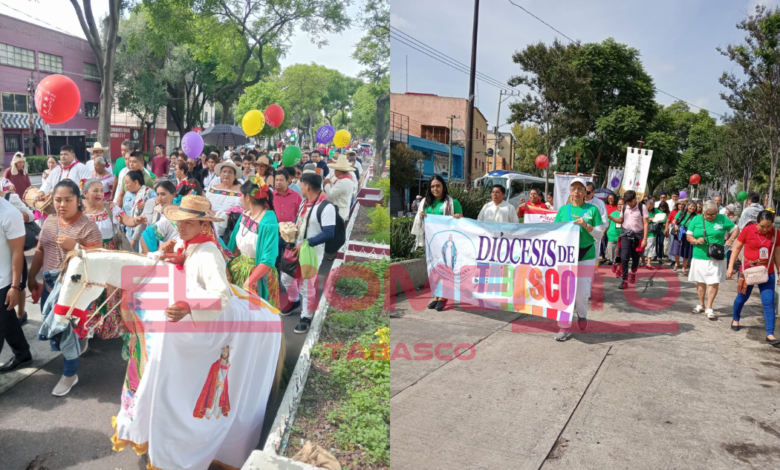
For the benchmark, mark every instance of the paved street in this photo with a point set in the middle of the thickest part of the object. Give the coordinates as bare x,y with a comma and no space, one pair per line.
703,398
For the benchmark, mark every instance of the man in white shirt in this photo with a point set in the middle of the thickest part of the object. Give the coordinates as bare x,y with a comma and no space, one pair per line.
321,228
134,161
662,198
12,279
27,216
68,169
498,210
97,150
226,154
339,185
719,201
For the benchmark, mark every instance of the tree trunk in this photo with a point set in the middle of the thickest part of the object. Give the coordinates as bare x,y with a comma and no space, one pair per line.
380,136
774,151
111,27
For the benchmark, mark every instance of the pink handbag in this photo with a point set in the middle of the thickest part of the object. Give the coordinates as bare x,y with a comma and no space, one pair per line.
759,274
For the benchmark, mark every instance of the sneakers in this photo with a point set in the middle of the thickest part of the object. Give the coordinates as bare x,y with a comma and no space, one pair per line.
563,335
291,308
64,385
303,326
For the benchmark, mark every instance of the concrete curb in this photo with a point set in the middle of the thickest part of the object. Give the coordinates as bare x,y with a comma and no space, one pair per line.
417,269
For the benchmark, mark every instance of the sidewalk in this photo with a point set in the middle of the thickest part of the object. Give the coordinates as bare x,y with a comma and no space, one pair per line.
705,397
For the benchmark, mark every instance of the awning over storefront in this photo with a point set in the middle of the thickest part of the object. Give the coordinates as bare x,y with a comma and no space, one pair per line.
20,121
68,132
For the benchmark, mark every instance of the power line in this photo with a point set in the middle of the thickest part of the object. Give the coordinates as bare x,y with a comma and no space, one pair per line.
445,56
38,19
577,42
445,62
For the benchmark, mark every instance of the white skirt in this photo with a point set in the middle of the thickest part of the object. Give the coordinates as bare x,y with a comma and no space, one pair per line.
708,271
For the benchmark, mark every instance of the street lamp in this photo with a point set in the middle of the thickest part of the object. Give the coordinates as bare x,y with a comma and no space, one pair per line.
420,164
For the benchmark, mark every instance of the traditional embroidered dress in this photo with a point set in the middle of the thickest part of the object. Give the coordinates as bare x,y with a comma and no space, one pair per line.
107,180
259,244
111,326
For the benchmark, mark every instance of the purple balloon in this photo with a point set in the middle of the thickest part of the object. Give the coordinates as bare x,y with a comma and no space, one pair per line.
615,182
192,144
683,194
325,134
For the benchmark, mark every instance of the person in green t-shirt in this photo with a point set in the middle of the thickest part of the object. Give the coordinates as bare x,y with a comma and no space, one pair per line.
588,218
704,230
613,233
437,202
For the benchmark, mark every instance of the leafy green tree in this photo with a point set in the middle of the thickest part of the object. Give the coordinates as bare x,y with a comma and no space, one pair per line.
259,96
403,165
305,88
363,116
556,85
373,53
756,91
529,144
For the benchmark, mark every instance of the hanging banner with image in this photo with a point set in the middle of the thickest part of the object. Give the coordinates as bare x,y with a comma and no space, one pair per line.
526,268
441,163
636,171
614,177
562,187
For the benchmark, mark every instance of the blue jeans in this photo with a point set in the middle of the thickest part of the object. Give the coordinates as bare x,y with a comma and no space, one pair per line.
70,366
49,278
767,290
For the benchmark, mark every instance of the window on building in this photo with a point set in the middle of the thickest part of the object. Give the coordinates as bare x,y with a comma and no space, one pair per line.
91,109
17,57
439,134
91,72
13,142
15,103
50,63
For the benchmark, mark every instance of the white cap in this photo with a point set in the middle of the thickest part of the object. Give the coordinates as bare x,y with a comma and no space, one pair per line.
579,180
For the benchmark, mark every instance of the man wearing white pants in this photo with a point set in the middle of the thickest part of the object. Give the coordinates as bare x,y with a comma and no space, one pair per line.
316,222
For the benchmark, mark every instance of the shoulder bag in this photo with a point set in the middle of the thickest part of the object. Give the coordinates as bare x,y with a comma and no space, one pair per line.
760,274
31,230
715,251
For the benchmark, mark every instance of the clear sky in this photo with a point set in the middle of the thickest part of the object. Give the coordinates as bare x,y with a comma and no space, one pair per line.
60,15
676,40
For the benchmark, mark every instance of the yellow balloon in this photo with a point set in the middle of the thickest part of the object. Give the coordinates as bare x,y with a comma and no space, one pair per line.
342,138
253,122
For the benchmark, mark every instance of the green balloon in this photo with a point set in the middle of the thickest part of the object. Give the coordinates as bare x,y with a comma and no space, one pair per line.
742,196
291,155
332,152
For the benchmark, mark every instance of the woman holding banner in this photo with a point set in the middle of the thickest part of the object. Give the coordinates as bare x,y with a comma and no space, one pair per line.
437,202
588,217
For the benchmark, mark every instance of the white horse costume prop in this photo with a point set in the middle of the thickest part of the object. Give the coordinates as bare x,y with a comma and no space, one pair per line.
195,391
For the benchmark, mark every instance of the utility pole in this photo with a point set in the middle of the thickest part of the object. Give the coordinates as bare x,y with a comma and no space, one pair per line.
407,74
470,103
495,131
449,171
30,106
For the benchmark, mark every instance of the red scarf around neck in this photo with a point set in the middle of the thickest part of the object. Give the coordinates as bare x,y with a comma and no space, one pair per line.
179,257
66,168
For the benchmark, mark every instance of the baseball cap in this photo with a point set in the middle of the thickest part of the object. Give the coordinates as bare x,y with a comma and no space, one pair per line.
579,180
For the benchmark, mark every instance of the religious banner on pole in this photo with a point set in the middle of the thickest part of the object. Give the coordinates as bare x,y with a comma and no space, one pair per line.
526,268
538,215
636,171
614,177
562,186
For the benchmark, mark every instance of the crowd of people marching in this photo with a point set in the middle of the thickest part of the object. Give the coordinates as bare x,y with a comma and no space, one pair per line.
245,202
704,240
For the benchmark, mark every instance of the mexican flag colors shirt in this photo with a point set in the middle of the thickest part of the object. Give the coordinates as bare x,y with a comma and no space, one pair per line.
591,215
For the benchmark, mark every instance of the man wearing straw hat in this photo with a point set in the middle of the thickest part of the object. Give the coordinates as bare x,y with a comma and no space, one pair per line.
97,150
340,185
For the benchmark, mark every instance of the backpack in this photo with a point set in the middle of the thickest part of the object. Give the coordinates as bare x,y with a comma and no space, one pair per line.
340,236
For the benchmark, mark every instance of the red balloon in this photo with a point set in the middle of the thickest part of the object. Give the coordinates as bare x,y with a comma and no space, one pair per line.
274,115
695,179
542,161
57,99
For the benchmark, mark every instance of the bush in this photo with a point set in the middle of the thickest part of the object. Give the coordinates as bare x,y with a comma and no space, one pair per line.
380,237
36,163
471,201
402,242
384,185
207,149
380,219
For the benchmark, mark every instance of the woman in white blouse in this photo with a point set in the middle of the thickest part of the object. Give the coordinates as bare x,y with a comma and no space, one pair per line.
104,176
226,195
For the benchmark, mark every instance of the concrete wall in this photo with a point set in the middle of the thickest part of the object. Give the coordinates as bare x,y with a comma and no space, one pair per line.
418,273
